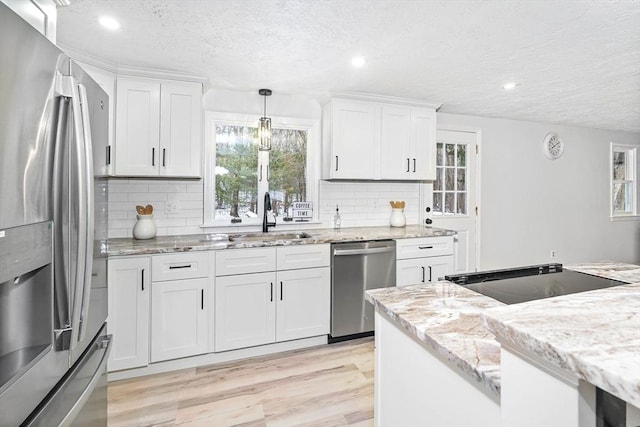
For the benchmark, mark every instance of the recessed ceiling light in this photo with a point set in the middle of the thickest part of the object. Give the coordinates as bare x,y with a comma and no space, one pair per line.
510,85
358,62
109,23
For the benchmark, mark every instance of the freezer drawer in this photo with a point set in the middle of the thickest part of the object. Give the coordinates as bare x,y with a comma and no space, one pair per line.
80,399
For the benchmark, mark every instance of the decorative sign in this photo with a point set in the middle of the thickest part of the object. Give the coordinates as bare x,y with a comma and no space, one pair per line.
302,211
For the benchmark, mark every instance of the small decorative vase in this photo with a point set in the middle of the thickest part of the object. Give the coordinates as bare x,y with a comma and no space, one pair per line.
397,218
145,228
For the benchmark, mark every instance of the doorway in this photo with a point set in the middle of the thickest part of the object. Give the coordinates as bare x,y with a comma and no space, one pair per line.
453,197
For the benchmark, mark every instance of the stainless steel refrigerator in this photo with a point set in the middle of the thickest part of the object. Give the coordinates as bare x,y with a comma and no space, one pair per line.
53,234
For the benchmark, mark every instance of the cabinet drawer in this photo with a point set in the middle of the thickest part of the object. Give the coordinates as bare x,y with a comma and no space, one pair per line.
424,247
242,261
302,256
179,266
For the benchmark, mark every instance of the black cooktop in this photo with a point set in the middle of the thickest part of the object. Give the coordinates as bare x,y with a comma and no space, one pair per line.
515,285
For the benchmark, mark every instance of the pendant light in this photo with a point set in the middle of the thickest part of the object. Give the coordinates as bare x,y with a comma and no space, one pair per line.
264,129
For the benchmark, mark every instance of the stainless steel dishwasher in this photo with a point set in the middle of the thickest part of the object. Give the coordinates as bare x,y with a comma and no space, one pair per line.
355,268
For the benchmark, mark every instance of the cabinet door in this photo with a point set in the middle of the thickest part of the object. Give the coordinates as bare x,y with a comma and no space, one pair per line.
438,267
411,272
181,130
179,318
423,143
303,303
416,271
354,140
128,320
245,311
137,128
397,161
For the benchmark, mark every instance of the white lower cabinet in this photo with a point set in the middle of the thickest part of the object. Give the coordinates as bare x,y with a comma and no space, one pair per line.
271,306
245,310
303,303
128,322
423,260
422,270
179,318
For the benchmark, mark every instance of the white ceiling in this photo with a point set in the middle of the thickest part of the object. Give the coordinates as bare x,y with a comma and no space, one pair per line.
577,62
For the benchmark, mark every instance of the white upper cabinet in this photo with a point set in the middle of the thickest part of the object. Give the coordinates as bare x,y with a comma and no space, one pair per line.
158,128
370,140
350,139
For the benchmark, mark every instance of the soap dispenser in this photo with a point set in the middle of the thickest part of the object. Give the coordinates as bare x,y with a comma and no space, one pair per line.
336,219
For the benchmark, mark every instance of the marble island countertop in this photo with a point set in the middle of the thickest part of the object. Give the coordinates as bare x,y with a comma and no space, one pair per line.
205,242
450,320
595,335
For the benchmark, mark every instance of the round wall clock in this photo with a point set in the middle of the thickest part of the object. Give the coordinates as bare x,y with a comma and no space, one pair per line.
553,146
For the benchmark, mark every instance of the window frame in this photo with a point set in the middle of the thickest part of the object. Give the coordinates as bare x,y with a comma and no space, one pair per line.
632,151
455,191
311,126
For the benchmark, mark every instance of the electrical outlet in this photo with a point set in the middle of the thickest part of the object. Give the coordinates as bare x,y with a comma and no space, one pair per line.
171,207
553,254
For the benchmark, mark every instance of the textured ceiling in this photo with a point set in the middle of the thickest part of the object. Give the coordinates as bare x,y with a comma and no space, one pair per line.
577,62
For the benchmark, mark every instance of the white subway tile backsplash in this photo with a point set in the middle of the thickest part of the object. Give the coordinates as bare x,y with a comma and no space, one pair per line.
361,204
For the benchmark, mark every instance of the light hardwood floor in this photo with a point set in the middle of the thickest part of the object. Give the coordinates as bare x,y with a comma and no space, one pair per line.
330,385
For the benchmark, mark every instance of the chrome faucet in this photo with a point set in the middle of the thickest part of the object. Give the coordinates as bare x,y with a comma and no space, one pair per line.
267,213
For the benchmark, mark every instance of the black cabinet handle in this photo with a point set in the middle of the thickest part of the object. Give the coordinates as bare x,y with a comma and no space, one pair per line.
201,299
108,154
271,291
280,291
174,267
164,157
429,273
260,178
153,156
414,165
407,164
425,247
143,279
268,173
422,274
336,163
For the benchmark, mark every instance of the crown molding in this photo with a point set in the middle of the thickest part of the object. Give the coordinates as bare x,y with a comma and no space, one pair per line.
359,96
89,59
125,70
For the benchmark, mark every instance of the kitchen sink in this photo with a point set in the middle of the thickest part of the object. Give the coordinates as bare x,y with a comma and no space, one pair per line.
257,237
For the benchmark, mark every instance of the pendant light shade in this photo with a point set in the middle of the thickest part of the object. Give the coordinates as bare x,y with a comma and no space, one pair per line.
264,129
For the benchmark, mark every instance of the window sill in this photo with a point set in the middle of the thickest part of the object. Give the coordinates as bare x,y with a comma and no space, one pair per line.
617,218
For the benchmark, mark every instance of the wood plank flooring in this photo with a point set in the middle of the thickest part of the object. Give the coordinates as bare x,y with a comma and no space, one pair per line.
327,386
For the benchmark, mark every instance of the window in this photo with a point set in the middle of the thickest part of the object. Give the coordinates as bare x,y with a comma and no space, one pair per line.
450,192
623,180
237,175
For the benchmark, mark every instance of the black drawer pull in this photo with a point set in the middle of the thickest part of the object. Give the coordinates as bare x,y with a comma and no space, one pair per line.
430,274
174,267
280,291
422,274
201,299
425,247
153,156
143,279
271,291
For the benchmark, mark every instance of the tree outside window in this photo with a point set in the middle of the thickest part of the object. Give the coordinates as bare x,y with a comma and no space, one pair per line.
243,174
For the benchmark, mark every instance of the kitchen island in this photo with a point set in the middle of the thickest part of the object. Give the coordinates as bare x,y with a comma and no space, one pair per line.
438,364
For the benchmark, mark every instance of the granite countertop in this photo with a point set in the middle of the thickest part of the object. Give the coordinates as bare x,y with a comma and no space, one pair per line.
206,242
449,319
595,335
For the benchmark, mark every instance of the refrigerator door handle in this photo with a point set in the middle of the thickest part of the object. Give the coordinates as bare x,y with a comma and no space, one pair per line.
62,294
88,234
81,206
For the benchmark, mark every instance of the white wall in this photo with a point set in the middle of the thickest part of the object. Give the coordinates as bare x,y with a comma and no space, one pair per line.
531,205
